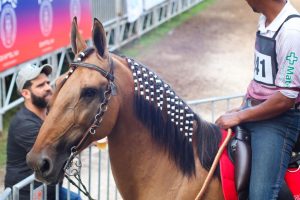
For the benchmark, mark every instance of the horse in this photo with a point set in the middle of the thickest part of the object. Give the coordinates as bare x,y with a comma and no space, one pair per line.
159,147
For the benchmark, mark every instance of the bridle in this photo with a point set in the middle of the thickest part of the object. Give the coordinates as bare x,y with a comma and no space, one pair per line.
102,108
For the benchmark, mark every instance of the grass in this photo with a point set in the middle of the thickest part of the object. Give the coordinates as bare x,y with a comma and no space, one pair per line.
154,36
3,139
3,151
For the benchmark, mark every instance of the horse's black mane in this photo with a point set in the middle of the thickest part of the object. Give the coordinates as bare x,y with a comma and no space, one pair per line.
154,103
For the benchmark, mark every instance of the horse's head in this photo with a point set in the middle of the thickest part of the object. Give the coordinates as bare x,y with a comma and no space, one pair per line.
77,111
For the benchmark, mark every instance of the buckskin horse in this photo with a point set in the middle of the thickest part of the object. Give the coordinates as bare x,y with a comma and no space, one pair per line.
158,147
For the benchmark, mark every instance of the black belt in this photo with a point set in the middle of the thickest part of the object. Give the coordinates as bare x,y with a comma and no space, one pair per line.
297,106
255,102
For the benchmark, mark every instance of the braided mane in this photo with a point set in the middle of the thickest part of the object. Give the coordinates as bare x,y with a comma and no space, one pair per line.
172,123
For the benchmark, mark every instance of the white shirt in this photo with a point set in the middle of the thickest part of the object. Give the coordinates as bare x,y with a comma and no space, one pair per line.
288,54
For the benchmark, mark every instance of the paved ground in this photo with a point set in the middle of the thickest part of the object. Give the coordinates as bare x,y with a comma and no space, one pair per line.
209,55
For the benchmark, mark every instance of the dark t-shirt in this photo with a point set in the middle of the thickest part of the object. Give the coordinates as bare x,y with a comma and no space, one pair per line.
22,133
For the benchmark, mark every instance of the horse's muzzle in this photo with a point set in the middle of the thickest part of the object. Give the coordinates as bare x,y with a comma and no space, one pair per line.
43,167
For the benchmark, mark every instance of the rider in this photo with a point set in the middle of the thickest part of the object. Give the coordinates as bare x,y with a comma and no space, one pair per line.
270,110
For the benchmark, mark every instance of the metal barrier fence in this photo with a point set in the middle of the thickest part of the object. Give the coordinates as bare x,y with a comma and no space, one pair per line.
96,172
209,108
6,194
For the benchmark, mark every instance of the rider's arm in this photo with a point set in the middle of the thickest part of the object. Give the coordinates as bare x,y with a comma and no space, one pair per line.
288,78
275,105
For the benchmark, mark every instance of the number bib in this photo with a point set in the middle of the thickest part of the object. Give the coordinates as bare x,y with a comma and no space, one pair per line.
265,63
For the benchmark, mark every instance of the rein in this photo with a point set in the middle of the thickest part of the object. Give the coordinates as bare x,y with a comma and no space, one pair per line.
102,108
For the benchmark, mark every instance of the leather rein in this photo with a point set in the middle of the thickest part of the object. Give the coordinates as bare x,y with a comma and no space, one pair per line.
102,108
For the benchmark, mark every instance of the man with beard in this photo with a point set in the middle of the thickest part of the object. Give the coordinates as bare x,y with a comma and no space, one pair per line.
34,86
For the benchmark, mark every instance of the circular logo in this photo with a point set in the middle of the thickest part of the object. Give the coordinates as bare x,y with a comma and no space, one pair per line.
46,18
8,26
75,10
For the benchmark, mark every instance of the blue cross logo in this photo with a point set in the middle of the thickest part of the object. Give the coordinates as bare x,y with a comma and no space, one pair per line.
292,58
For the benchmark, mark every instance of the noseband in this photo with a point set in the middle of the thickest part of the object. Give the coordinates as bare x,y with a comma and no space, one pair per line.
110,90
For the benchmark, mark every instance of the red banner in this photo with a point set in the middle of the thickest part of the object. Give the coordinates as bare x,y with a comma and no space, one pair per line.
32,28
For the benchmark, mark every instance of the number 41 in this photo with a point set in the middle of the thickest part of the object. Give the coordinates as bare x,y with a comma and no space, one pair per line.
257,68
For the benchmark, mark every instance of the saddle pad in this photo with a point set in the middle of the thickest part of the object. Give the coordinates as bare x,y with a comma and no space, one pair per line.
292,177
227,174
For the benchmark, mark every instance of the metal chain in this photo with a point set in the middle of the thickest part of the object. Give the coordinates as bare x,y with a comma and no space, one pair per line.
73,165
110,90
72,169
101,110
75,172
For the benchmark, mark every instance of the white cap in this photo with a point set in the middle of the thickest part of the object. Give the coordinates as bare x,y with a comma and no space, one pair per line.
30,72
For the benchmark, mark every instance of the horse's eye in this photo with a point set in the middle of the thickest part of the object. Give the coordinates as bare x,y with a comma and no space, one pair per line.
89,92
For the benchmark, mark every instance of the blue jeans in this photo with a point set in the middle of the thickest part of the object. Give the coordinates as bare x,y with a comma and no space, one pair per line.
63,194
272,142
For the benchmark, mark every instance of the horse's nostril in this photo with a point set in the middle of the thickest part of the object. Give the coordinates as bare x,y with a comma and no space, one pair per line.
45,166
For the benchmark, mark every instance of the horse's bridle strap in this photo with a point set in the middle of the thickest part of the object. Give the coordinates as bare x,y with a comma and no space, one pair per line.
110,90
106,74
79,146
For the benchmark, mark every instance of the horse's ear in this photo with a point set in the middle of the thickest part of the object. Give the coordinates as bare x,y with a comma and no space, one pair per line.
99,38
77,43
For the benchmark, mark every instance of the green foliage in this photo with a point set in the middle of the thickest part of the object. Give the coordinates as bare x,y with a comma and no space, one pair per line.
3,139
3,151
154,36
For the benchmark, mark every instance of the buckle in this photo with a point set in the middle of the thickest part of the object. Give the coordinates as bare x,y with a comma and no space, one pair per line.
254,102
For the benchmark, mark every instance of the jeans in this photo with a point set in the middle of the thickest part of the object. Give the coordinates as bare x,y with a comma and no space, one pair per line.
272,142
63,194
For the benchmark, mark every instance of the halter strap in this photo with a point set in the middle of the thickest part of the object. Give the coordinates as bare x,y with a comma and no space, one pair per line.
110,90
84,54
97,120
108,75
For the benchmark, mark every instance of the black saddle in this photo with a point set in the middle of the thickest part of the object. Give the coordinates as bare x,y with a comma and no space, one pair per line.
239,151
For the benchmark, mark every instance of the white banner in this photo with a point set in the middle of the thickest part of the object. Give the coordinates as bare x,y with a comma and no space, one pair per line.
148,4
134,9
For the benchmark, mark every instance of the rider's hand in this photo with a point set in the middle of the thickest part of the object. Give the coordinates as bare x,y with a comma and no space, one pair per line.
228,120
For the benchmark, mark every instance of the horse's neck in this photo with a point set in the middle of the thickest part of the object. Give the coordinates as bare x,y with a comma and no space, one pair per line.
142,169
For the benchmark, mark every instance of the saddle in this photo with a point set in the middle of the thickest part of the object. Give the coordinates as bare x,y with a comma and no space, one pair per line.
239,151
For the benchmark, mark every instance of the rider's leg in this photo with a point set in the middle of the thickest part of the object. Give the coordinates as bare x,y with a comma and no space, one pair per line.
272,142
